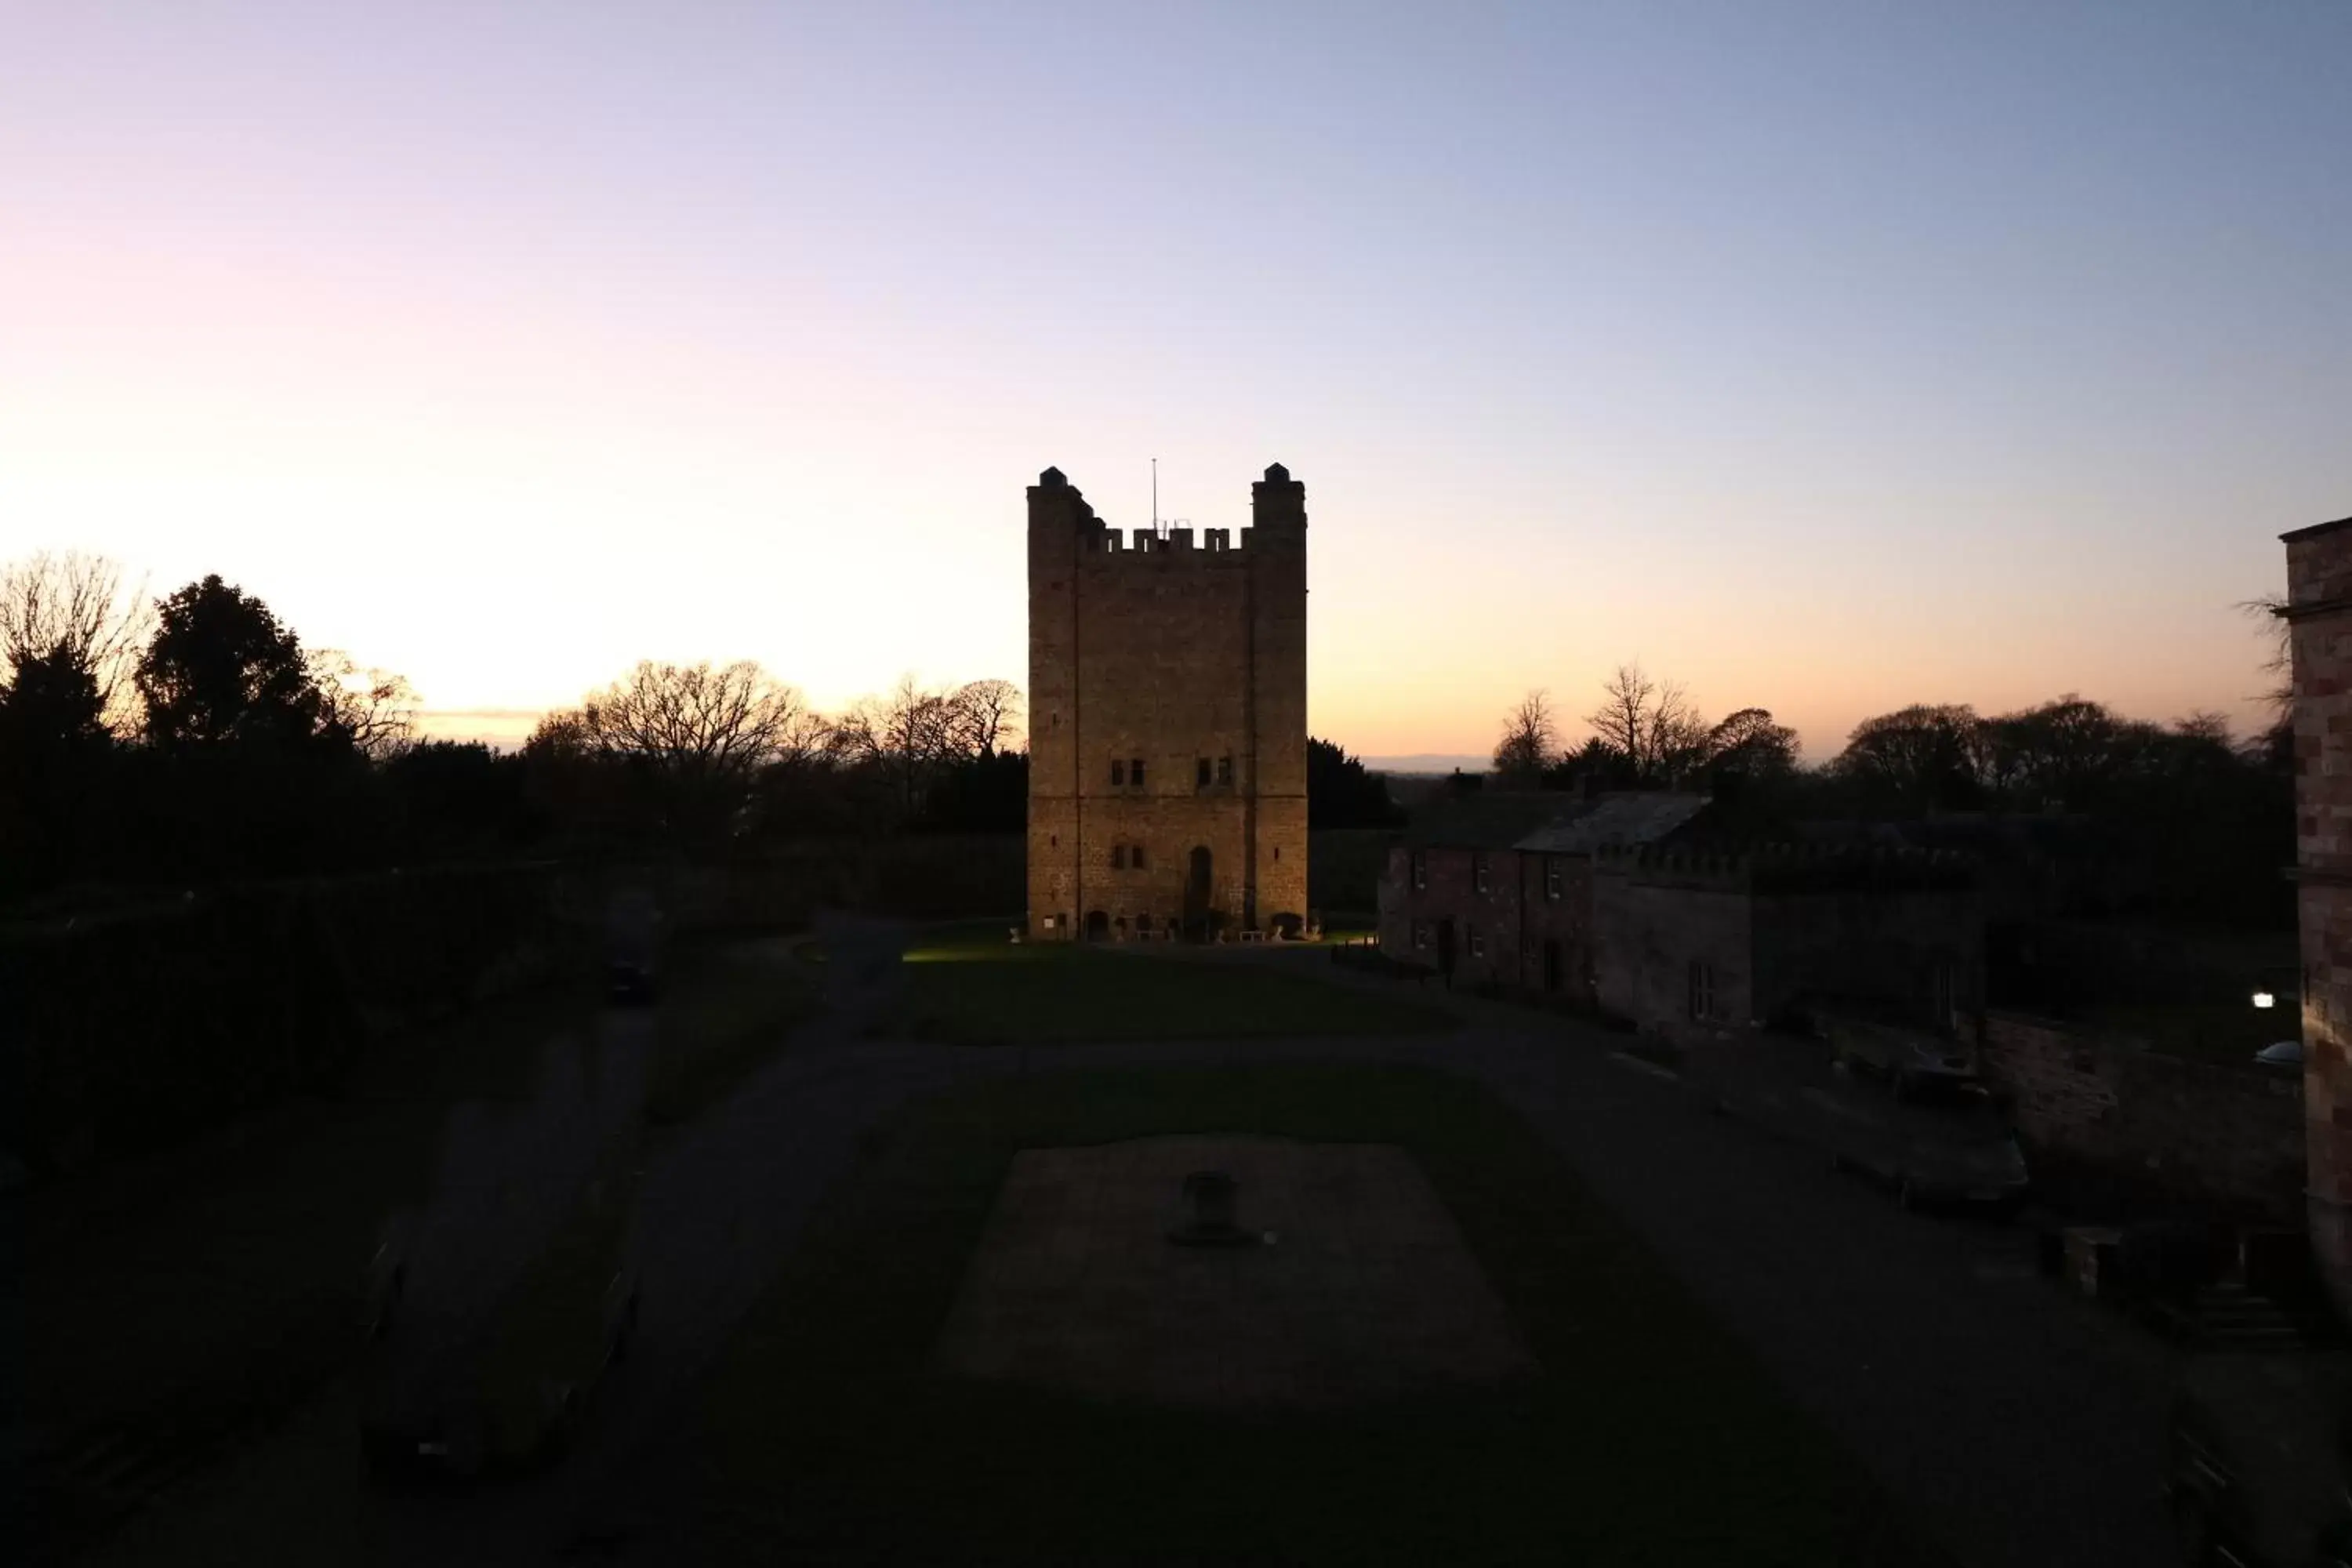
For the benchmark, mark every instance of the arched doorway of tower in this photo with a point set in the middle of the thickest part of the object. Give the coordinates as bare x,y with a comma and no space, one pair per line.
1197,869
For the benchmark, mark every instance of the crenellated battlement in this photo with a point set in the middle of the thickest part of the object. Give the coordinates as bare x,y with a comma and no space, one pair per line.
1101,540
1277,505
1779,867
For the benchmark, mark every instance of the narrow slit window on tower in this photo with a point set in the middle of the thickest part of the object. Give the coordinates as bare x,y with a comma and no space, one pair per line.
1118,772
1225,770
1135,773
1134,857
1118,857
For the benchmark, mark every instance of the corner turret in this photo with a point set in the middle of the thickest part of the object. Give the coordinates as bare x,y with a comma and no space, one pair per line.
1278,500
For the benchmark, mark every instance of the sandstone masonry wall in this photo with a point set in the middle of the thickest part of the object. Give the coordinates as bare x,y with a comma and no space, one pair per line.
2319,613
1648,937
1186,655
2199,1129
1556,894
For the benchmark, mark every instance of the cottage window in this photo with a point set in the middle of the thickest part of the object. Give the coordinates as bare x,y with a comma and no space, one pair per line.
1478,870
1551,878
1702,991
1419,933
1477,944
1421,868
1118,772
1225,770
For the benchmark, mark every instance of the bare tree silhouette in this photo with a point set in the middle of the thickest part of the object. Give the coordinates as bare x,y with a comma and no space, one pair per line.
694,722
1530,741
1652,724
375,708
77,611
987,715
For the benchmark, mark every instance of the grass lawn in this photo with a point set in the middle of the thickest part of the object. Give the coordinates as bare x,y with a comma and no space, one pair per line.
1650,1437
969,985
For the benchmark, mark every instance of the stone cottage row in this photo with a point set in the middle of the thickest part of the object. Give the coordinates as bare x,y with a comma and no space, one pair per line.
1642,907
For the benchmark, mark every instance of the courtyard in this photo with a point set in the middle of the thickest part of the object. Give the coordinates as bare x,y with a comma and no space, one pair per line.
1503,1373
907,1300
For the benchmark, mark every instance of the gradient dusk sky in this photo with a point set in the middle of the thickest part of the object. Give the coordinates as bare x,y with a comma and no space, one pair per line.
1828,357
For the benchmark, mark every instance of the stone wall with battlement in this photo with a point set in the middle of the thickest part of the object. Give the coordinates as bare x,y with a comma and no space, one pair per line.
1772,866
1213,544
1167,718
1695,941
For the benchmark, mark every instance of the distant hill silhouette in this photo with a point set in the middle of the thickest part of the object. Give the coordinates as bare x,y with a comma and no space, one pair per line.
1429,763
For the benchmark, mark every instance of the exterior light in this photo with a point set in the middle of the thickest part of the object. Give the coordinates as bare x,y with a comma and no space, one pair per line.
2264,999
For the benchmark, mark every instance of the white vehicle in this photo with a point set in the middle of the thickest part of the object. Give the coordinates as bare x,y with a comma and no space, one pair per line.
1942,1146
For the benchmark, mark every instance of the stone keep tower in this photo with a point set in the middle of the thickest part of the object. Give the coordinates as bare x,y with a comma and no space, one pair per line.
2319,613
1167,720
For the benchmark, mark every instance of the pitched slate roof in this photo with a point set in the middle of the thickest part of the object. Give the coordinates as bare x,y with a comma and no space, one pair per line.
1484,819
1643,817
1549,821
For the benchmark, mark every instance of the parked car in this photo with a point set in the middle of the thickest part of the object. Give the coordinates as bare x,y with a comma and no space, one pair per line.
2281,1054
1947,1145
2258,1461
1906,1058
466,1389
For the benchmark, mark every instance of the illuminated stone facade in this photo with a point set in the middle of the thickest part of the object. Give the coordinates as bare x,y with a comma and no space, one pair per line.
2319,612
1168,720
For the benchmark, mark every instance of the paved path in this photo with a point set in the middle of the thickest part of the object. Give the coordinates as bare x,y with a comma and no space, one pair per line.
2017,1426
